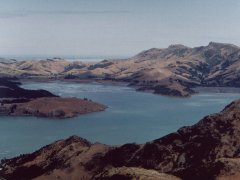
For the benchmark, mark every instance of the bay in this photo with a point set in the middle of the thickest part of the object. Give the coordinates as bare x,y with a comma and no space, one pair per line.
131,116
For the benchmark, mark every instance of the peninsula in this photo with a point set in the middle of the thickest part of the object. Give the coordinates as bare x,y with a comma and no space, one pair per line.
16,101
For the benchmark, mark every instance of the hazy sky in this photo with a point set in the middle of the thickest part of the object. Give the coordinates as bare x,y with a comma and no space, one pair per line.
113,27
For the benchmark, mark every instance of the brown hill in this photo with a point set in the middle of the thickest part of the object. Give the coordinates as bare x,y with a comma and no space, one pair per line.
206,150
128,173
53,107
170,71
15,100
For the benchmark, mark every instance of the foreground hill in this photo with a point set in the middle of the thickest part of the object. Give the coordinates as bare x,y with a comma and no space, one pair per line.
206,150
171,71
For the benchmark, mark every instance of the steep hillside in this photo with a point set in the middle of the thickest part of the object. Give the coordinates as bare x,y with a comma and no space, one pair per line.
206,150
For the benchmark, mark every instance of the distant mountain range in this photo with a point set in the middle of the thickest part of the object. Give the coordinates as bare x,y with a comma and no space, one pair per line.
171,71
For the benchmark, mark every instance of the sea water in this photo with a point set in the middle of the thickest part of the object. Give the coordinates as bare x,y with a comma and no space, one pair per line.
131,117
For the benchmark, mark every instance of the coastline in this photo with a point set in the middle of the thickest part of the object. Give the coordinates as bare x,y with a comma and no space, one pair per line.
139,88
202,89
41,103
84,81
190,152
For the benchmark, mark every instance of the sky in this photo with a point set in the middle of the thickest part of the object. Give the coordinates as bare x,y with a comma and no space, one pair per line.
113,28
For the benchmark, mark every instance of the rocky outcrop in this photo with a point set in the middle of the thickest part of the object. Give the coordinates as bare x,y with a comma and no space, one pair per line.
206,150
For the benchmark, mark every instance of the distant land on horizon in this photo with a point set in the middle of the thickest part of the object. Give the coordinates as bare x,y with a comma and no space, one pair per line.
172,71
88,57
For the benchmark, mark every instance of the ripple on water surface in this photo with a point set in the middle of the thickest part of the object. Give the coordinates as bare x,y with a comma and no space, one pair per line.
131,117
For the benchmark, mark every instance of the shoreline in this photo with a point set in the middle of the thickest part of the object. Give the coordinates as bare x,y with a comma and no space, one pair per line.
41,103
180,147
132,92
137,88
202,89
83,81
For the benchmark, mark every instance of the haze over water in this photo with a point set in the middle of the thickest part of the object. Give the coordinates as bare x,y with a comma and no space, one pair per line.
131,117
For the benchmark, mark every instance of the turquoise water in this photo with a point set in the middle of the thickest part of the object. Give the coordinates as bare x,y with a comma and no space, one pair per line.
131,117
